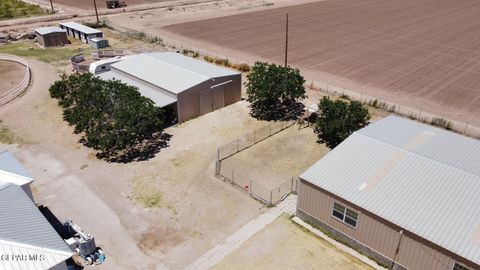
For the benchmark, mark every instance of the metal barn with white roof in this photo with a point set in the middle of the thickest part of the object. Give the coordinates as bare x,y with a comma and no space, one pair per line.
27,240
403,192
80,31
187,86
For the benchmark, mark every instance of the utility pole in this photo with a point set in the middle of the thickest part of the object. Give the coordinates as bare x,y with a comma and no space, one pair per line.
286,42
96,12
51,4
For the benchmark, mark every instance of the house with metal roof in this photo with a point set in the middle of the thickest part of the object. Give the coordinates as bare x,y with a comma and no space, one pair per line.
12,172
402,192
80,31
185,86
27,240
51,36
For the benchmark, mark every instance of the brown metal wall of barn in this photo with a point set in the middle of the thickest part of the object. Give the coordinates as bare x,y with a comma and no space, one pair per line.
374,232
52,39
202,98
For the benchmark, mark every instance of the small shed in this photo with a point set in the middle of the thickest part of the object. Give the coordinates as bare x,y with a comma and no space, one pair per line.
51,36
80,31
99,43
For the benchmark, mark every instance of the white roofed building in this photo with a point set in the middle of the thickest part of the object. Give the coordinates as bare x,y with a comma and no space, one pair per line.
12,172
27,240
80,31
402,192
187,86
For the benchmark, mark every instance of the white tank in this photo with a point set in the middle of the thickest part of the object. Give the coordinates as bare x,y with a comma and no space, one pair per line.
103,65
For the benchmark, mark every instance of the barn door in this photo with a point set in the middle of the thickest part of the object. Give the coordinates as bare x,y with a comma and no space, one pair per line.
206,104
218,97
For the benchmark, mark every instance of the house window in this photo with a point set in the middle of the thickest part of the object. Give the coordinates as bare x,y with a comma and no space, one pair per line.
459,267
347,216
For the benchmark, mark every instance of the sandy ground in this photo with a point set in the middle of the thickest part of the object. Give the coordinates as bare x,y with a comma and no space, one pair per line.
276,159
409,53
11,74
284,245
106,199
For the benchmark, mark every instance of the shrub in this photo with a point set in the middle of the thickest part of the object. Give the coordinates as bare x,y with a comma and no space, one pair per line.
275,92
440,122
338,120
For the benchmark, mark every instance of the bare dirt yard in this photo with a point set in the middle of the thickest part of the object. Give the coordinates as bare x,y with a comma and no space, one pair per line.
275,160
158,214
11,74
284,245
421,54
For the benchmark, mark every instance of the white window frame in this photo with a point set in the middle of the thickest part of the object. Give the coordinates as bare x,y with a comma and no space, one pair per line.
345,215
459,264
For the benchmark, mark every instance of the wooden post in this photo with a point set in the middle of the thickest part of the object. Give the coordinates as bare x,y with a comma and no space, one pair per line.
51,5
96,11
286,41
465,130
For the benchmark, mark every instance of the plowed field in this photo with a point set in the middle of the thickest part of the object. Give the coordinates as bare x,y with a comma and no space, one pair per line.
419,53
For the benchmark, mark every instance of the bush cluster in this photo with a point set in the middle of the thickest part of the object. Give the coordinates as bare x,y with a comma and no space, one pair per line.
225,62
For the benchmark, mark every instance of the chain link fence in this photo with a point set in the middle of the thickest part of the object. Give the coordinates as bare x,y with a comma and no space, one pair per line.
251,138
245,182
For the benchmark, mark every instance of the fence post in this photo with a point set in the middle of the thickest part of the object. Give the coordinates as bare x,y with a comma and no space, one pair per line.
254,140
270,127
218,154
250,188
232,177
291,185
271,191
237,145
465,130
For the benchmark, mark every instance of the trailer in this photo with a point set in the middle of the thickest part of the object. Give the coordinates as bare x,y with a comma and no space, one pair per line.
83,244
115,4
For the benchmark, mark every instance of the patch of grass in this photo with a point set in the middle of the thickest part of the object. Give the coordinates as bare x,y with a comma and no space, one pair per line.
150,200
49,55
10,9
6,136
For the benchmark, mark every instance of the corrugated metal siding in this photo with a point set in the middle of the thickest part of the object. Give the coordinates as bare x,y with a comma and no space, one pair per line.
52,258
22,222
369,231
425,192
202,99
415,255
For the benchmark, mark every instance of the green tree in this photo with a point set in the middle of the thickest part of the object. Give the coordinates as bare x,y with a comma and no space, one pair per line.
274,92
112,117
338,120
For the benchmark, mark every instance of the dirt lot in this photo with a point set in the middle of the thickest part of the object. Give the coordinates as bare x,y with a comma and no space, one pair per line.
147,215
276,159
284,245
11,74
420,54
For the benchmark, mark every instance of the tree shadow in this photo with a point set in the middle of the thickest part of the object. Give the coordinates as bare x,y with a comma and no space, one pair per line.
142,151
